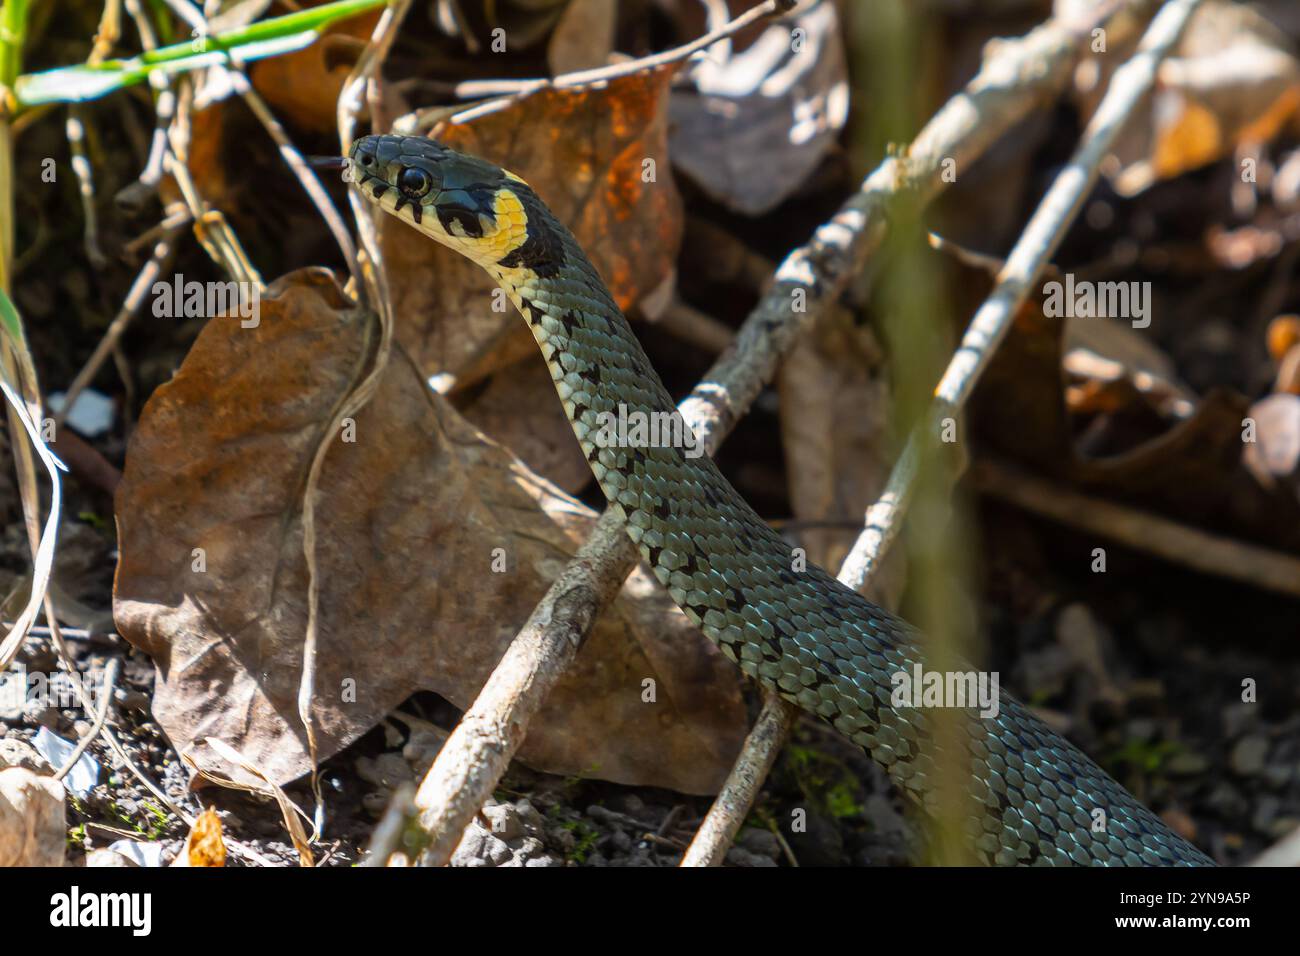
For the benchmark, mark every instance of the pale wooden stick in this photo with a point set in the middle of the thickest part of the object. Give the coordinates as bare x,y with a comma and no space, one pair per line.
1041,238
732,805
1140,530
1057,45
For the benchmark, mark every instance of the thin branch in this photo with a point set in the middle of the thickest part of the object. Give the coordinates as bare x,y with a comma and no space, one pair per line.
1285,852
1023,75
732,805
1177,543
728,812
101,717
519,89
695,327
353,402
135,297
1041,238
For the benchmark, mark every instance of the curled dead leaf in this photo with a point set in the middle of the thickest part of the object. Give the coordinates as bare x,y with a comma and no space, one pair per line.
415,512
204,846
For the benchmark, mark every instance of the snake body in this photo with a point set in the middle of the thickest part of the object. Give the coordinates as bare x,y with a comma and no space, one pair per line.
1033,797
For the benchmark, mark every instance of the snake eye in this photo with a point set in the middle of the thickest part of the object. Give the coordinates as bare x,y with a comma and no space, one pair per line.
414,182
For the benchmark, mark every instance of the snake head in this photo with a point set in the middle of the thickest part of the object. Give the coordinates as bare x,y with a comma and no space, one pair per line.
461,201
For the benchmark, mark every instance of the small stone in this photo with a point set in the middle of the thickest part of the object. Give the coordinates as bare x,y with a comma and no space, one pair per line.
129,699
738,856
629,803
388,770
375,802
760,843
480,848
1249,755
1141,729
1238,718
422,748
505,822
562,839
110,859
1187,764
1283,827
1278,776
1266,811
1227,802
19,753
529,815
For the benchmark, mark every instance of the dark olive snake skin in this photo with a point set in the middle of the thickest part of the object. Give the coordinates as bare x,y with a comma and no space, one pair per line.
814,641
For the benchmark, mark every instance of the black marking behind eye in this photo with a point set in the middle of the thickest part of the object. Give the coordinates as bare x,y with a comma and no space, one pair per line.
468,220
542,250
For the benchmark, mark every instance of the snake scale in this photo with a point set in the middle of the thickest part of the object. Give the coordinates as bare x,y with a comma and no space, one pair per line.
1033,797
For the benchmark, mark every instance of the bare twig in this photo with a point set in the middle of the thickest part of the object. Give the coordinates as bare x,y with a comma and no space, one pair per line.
698,328
1059,44
306,176
732,804
1208,553
386,838
518,89
1039,240
101,716
135,297
1285,852
353,402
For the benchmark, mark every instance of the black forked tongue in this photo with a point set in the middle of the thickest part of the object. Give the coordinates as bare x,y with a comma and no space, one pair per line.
327,162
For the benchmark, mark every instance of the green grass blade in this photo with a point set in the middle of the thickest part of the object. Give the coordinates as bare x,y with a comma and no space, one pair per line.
253,42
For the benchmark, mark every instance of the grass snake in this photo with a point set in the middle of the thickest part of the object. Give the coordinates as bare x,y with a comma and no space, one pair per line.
1033,798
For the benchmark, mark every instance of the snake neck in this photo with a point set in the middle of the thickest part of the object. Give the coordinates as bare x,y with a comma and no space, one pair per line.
1033,798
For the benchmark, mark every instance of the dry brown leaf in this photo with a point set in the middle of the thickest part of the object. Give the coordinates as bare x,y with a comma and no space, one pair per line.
410,516
754,124
1102,352
291,814
835,412
514,407
1190,469
303,87
204,846
584,36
